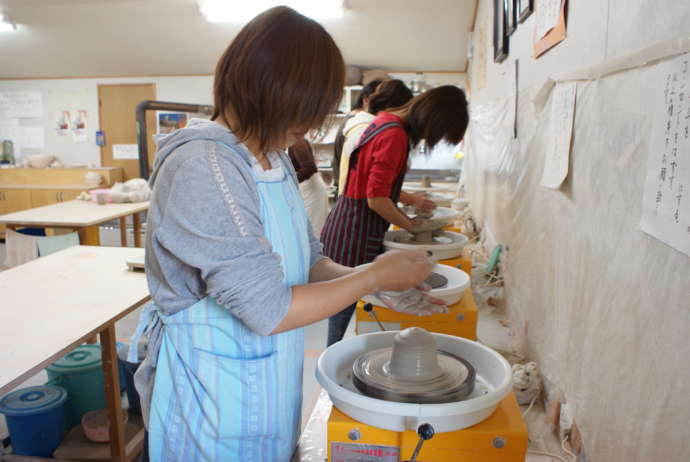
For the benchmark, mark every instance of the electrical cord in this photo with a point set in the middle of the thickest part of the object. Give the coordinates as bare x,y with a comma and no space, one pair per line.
524,414
566,450
546,454
555,456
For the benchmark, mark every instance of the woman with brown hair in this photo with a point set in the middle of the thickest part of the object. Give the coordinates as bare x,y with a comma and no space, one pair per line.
233,268
355,228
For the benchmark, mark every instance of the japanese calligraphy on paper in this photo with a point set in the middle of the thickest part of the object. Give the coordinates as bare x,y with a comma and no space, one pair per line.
666,200
557,154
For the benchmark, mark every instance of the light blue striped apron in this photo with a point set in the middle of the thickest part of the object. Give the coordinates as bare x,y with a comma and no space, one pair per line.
222,392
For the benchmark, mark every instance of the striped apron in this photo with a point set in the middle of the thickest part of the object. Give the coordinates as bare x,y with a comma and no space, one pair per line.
223,393
353,233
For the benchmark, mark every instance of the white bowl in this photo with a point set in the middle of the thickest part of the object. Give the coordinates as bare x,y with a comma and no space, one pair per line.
458,282
493,383
40,160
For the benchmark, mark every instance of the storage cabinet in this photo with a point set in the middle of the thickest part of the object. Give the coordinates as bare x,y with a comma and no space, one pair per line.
26,188
13,200
41,197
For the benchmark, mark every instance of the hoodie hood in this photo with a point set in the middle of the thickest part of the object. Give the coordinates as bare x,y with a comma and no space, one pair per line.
196,129
362,117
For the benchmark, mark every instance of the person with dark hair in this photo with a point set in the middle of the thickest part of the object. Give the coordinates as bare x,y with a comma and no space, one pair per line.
233,268
390,94
360,115
355,228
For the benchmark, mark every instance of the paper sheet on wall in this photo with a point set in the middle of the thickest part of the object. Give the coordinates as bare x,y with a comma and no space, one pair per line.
548,12
9,130
480,74
32,137
21,104
557,150
666,200
125,151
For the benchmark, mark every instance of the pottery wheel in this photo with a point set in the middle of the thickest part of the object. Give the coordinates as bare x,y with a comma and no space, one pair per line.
436,281
413,371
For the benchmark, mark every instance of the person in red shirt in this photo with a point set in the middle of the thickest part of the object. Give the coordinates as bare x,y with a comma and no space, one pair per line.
355,228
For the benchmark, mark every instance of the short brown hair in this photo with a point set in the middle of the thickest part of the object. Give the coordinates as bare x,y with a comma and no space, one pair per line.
283,70
439,113
390,94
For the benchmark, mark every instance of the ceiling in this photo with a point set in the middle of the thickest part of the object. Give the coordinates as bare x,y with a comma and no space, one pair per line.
67,38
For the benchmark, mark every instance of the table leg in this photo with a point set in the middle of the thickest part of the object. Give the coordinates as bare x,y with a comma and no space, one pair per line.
123,231
89,236
112,394
136,218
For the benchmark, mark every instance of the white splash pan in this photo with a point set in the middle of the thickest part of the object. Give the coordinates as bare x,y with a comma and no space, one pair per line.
493,383
458,282
442,199
435,187
449,244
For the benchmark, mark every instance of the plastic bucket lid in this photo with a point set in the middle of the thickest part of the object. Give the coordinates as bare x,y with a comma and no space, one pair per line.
82,359
32,400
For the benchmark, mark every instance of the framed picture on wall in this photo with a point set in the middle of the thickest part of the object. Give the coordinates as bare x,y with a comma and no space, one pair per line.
168,122
524,9
511,23
500,37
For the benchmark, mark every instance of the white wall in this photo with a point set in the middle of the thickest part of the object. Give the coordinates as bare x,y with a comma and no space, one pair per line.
75,94
603,307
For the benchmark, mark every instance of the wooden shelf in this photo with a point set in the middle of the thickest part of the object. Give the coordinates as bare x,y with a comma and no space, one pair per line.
77,446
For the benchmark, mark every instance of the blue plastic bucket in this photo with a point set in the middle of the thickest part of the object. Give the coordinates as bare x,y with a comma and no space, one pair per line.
35,418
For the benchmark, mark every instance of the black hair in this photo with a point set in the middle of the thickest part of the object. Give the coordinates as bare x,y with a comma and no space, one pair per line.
367,91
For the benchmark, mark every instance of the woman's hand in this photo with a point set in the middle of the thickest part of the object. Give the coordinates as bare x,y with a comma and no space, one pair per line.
421,201
399,270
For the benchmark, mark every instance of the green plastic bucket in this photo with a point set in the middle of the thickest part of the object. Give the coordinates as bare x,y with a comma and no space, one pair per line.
81,374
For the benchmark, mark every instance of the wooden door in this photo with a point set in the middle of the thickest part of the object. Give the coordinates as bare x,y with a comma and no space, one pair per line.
117,105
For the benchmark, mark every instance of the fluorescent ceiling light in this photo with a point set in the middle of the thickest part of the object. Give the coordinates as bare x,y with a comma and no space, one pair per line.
240,11
6,25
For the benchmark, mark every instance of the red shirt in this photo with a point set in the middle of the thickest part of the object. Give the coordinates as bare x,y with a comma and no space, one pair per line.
380,161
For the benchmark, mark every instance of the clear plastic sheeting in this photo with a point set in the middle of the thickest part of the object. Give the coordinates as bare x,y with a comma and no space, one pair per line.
314,438
602,307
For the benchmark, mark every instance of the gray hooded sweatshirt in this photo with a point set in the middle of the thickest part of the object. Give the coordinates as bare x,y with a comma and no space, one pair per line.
205,236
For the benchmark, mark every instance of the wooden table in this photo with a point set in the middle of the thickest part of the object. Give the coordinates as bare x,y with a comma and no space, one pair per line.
53,304
81,216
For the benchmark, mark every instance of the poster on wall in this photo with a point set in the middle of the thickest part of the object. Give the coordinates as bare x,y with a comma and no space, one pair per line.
79,127
63,122
666,200
168,122
557,150
21,104
125,151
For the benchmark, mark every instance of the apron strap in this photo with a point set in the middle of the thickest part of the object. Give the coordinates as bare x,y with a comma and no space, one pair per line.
366,138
